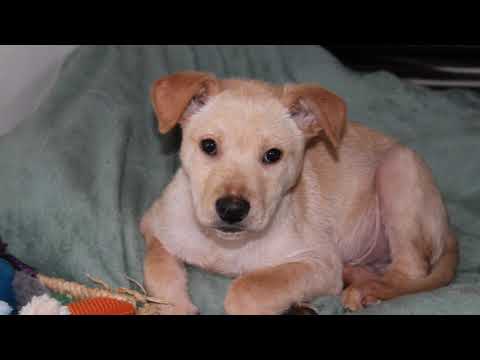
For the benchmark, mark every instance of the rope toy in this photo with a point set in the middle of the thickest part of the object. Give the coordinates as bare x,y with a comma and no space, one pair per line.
106,301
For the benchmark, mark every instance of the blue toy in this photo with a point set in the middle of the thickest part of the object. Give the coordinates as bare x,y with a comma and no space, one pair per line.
7,294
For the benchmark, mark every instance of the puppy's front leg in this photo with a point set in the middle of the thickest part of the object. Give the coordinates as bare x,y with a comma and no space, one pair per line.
166,279
272,291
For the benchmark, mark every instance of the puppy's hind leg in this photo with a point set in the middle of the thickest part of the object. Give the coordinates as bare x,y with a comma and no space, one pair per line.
423,249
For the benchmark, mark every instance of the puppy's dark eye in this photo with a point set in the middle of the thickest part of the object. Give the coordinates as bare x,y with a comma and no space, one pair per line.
209,147
272,156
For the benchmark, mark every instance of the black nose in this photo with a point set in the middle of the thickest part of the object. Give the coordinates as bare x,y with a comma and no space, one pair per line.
232,209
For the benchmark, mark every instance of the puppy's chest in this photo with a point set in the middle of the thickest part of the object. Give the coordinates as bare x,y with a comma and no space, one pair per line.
195,248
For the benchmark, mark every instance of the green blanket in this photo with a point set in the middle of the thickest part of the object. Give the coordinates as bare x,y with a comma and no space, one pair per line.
79,173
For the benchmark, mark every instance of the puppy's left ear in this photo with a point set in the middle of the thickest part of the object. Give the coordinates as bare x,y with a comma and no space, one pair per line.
176,97
316,109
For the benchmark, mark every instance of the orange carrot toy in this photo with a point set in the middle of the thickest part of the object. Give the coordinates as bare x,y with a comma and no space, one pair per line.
101,306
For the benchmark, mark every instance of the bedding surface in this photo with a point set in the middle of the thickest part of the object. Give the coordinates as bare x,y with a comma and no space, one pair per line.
77,176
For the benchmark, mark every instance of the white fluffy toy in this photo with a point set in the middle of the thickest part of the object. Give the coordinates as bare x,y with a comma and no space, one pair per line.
5,309
44,305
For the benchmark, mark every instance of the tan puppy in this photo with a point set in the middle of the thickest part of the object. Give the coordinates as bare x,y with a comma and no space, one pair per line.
279,190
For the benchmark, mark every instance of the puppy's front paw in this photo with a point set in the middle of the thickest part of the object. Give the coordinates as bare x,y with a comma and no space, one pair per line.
250,298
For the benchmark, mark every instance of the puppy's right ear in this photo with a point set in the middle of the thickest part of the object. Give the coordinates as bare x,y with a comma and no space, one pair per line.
178,96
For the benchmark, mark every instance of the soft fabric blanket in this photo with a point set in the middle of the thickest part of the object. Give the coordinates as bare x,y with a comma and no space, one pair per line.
77,175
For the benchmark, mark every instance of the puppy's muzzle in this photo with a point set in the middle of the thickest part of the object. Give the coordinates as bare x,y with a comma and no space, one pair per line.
232,209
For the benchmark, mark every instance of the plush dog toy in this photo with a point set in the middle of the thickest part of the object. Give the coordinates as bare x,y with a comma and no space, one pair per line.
18,283
25,291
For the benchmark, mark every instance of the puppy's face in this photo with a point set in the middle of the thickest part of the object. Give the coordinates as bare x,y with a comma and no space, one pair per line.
242,152
243,144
